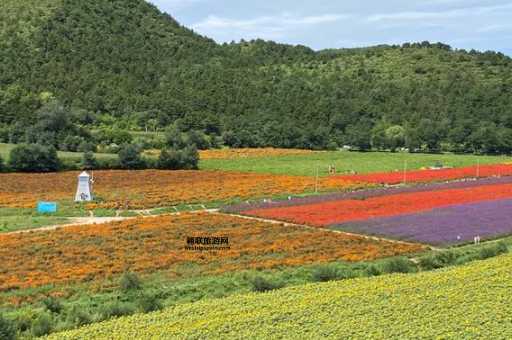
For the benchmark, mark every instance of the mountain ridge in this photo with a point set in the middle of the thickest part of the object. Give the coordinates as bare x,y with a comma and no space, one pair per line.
127,58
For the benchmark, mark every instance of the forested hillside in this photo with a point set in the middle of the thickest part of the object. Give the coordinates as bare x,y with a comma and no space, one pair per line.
124,64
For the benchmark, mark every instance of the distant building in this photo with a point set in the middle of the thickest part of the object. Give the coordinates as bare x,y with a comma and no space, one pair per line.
83,192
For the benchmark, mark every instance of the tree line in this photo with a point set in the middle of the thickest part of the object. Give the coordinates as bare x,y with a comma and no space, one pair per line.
91,73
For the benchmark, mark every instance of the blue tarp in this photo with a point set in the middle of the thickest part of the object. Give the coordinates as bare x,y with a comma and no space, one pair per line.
46,207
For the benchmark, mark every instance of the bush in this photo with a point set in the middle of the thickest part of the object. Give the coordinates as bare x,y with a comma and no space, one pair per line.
115,310
331,273
130,281
7,329
89,162
86,147
78,317
493,250
53,305
149,303
42,325
108,163
71,143
2,165
129,157
398,265
372,270
324,274
261,284
34,158
190,158
439,260
169,160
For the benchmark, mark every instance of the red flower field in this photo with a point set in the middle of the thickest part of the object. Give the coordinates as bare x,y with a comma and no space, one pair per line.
418,176
340,211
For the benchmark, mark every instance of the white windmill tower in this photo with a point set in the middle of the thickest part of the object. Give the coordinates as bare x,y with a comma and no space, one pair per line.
83,192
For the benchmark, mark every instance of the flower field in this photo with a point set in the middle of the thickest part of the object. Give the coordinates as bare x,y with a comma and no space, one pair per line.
348,210
250,153
145,245
152,188
418,176
467,302
365,194
438,214
442,226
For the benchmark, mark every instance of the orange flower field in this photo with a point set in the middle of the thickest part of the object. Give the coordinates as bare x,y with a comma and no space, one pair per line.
144,245
250,153
154,188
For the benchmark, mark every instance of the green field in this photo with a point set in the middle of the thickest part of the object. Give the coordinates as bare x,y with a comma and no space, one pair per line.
5,149
14,219
360,162
465,302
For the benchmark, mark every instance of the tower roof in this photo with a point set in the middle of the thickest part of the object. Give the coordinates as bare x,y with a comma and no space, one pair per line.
84,174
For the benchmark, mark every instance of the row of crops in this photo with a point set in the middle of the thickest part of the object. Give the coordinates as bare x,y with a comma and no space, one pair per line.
436,214
470,301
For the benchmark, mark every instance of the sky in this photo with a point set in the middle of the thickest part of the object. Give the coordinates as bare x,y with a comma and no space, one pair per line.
319,24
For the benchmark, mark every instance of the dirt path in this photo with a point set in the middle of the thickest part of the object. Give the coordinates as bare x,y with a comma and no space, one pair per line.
77,221
73,221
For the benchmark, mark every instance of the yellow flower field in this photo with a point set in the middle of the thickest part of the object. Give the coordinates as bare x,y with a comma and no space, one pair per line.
250,153
467,302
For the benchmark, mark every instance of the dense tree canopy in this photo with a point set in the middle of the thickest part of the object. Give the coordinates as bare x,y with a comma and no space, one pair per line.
114,65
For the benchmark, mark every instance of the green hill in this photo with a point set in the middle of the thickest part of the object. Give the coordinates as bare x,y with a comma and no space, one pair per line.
459,303
127,60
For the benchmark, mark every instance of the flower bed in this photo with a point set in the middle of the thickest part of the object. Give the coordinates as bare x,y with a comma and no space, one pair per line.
365,193
340,211
442,226
145,245
250,153
153,188
418,176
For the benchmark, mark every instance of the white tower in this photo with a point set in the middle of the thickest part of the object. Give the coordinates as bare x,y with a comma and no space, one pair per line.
83,192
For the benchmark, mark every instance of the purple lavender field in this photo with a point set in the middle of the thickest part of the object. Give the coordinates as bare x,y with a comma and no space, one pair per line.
452,225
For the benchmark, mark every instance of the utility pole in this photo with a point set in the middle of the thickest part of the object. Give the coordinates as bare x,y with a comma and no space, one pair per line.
316,181
405,172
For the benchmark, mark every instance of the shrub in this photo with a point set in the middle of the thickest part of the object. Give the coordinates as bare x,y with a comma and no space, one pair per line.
129,157
439,260
34,158
149,303
190,158
89,161
130,281
108,163
372,270
115,310
71,143
330,273
398,265
324,274
53,305
42,325
169,160
86,147
7,329
2,165
78,317
261,284
493,250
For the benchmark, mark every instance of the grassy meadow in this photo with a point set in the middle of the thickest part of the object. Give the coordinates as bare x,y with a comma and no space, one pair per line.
345,161
5,149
